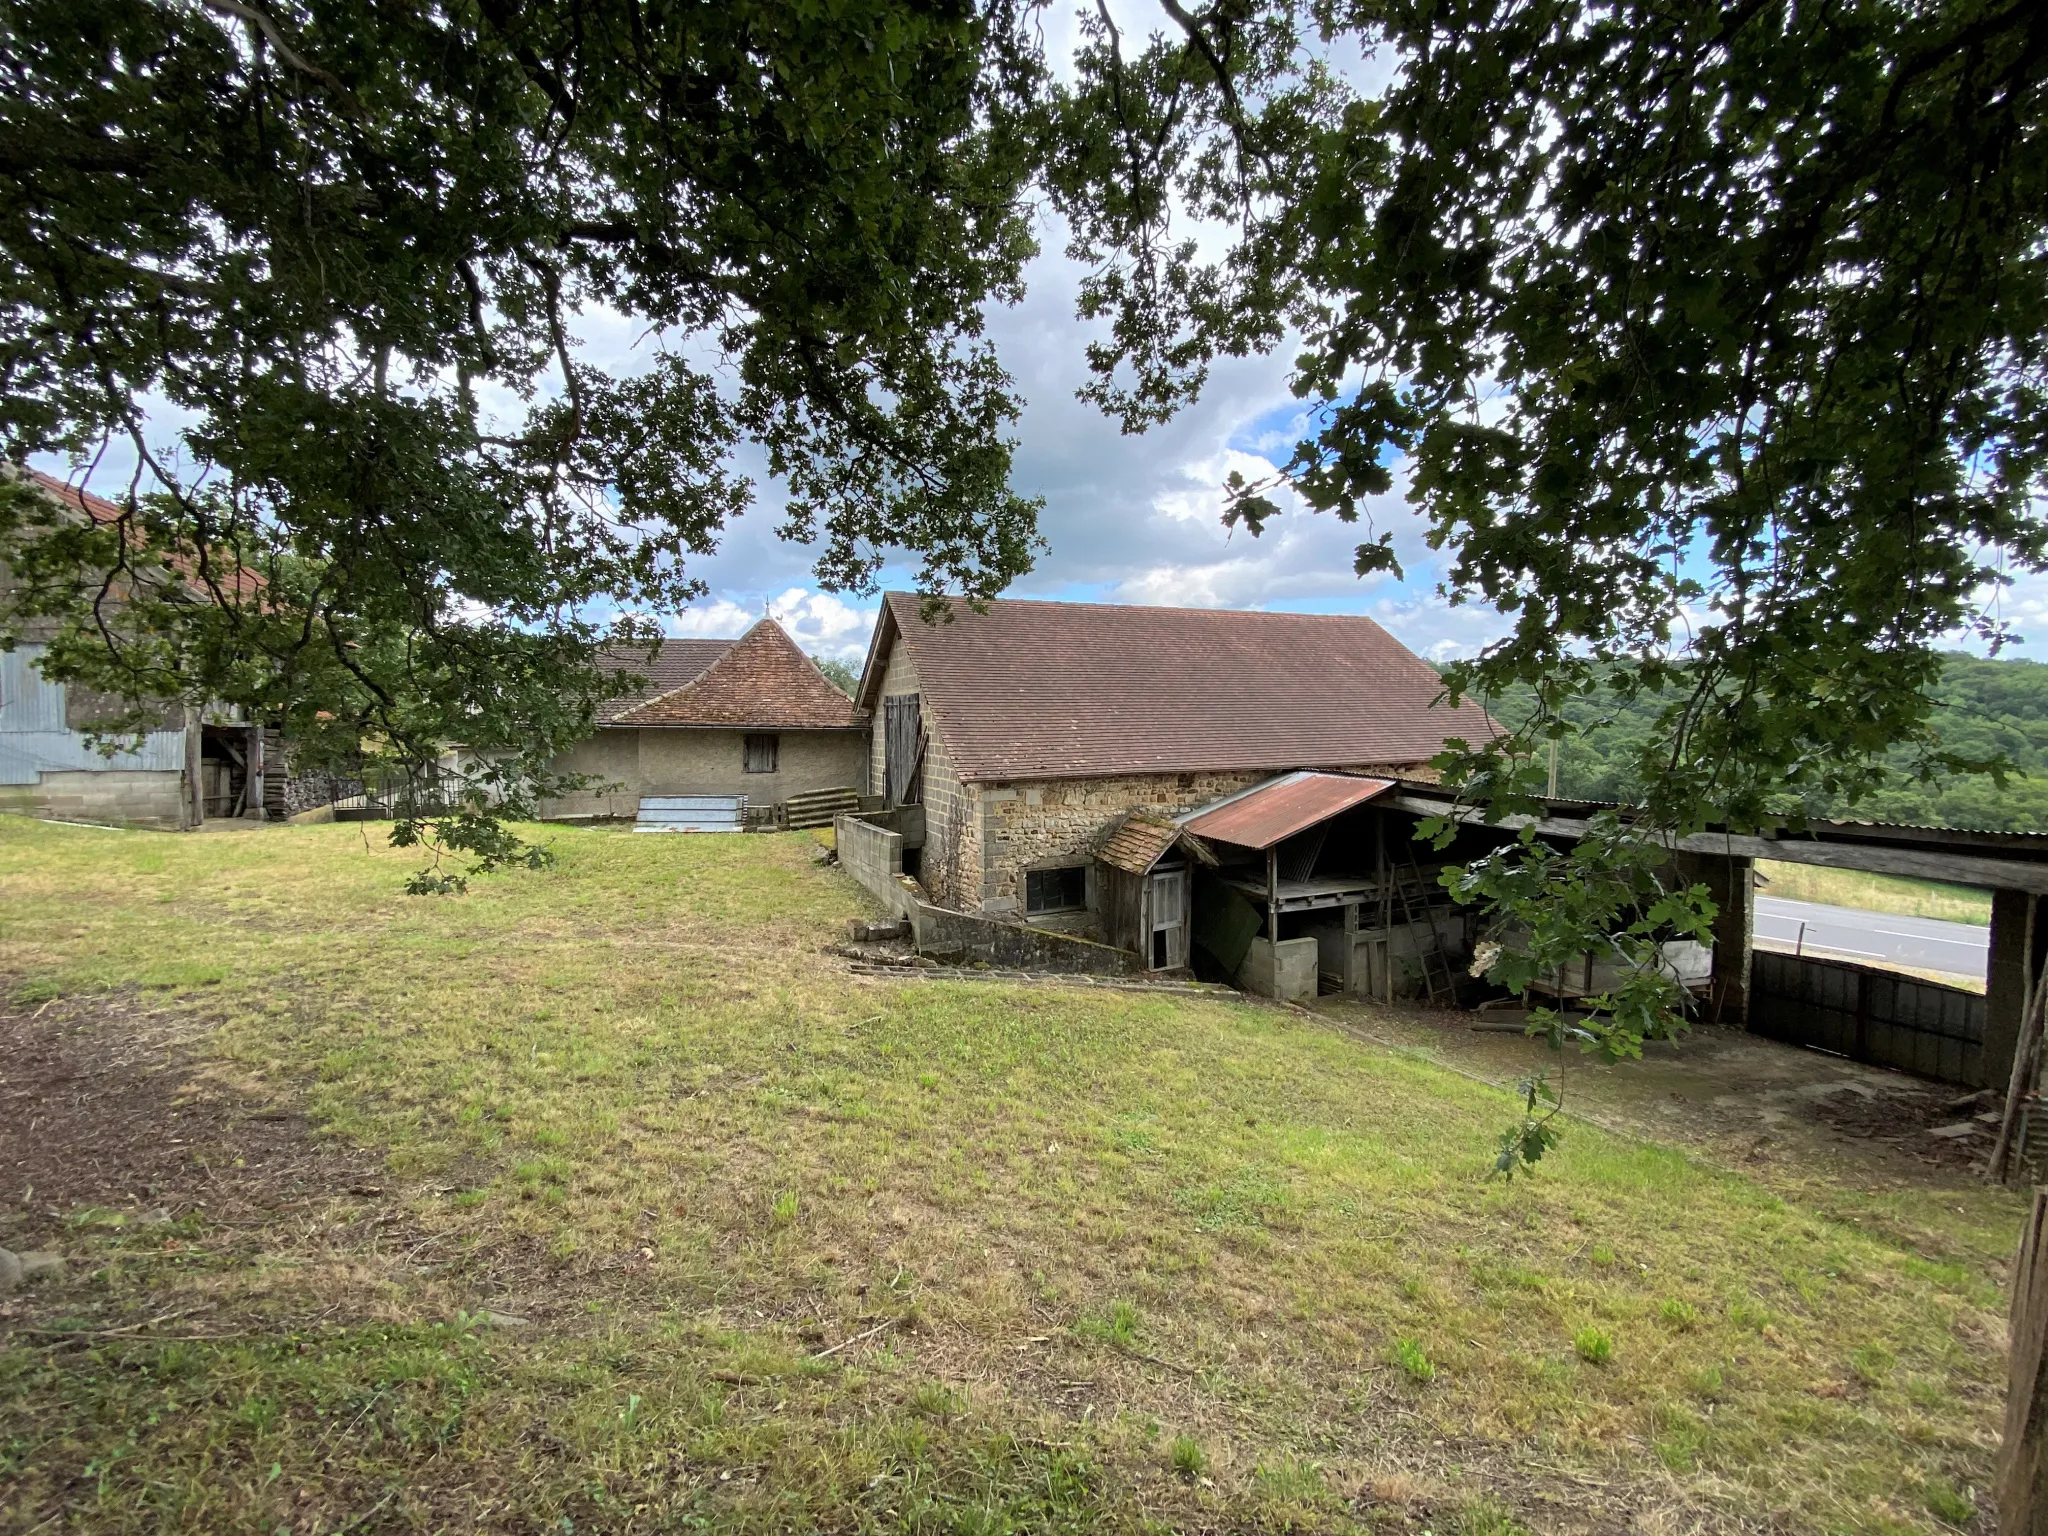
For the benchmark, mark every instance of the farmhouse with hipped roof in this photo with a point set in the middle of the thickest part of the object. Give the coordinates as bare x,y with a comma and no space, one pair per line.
752,718
1029,732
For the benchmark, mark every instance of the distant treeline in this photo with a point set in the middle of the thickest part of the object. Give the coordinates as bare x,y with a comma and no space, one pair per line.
1987,707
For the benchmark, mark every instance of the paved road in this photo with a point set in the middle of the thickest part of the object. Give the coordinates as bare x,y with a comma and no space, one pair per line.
1960,949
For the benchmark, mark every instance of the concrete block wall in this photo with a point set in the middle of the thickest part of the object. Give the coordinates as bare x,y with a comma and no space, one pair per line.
137,797
694,760
873,856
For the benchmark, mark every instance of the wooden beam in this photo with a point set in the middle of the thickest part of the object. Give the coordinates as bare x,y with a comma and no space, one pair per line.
1917,863
1273,913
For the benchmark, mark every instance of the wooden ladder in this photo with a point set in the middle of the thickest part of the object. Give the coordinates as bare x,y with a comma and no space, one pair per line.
1440,985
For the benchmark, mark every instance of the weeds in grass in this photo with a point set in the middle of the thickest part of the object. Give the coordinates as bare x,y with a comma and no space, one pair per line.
1413,1359
783,1212
1748,1312
934,1400
1489,1517
1705,1382
1872,1364
1250,1197
1680,1436
1593,1346
1187,1458
1120,1325
1679,1313
1291,1480
1948,1503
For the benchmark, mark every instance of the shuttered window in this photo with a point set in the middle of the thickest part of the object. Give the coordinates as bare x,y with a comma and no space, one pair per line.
1056,890
761,753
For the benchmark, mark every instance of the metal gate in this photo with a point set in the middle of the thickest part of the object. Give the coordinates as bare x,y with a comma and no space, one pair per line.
1866,1014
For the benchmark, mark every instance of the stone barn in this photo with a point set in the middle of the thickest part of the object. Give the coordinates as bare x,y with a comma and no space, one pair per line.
1009,746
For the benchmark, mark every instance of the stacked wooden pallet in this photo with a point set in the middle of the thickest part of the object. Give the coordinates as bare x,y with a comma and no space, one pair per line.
818,807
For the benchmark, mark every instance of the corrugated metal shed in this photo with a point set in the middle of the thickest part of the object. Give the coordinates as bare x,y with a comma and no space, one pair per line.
1268,813
34,739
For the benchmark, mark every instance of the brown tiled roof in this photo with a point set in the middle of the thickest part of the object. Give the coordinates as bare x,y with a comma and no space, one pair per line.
232,580
761,682
676,662
1033,690
1142,838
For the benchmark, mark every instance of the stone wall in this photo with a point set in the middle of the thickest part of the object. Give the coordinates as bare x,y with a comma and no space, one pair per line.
131,797
695,760
1043,825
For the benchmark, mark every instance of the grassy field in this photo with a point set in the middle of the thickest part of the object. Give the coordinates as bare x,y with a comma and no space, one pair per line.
606,1199
1876,893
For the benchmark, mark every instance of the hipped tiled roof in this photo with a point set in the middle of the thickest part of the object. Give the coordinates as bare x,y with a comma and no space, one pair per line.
761,681
674,664
1035,690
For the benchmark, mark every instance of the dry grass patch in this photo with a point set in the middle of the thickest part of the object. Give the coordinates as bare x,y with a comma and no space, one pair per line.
791,1248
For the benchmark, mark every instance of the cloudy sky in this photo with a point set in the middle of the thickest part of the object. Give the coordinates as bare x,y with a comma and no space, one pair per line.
1126,519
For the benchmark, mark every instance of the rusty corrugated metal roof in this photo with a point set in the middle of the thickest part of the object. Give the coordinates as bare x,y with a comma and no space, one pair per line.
1265,814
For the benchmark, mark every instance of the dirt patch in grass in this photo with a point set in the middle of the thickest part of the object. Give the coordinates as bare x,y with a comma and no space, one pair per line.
108,1108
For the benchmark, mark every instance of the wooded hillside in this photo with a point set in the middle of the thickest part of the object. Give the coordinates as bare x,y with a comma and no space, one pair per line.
1988,707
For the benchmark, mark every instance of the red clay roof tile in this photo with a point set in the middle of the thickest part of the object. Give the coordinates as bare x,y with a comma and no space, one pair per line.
762,681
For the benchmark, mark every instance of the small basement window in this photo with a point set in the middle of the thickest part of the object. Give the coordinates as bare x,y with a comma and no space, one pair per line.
1056,890
762,753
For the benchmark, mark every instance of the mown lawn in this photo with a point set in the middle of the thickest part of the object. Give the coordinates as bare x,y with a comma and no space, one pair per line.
796,1249
1876,893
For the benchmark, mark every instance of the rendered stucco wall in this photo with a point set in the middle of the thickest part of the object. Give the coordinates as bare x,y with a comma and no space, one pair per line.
692,760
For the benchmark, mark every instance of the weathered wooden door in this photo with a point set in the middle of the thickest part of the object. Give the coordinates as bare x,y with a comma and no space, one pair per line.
1167,914
902,749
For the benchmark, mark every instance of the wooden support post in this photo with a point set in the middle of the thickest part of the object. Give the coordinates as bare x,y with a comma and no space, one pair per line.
1273,915
253,783
195,769
1386,909
2014,962
2023,1460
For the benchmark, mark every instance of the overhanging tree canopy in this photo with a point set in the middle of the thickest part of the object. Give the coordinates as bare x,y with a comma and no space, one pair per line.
1710,337
345,246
